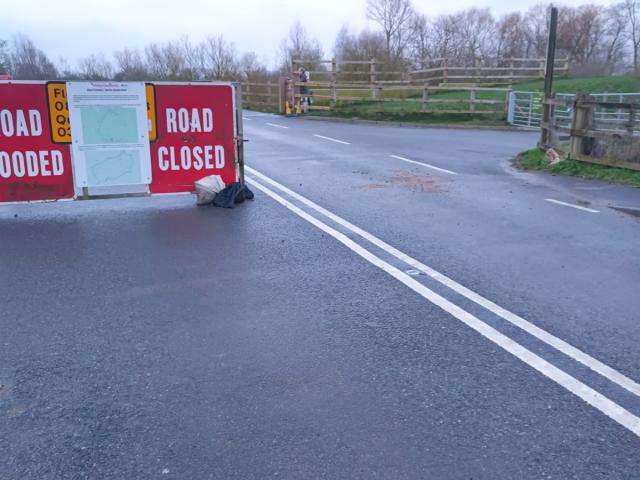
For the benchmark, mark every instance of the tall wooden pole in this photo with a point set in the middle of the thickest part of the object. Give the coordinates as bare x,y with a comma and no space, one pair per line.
545,131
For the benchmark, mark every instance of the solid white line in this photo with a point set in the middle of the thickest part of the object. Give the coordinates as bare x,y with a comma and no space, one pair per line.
573,385
331,139
542,335
424,164
577,207
276,125
247,118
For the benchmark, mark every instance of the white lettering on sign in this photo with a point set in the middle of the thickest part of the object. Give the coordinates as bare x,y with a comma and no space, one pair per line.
20,124
191,158
184,120
31,164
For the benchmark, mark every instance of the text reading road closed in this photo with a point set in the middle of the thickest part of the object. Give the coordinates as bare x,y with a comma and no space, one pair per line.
197,158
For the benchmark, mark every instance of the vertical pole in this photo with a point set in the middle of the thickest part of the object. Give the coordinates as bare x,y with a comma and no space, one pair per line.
334,79
509,105
445,69
548,77
510,72
372,78
425,96
582,119
472,100
239,133
269,92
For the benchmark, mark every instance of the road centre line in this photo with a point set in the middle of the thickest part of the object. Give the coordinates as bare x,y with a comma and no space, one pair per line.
567,349
577,207
573,385
423,164
331,139
276,125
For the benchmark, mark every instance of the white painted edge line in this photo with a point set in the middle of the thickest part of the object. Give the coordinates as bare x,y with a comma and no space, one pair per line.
573,385
423,164
569,350
331,139
577,207
247,118
276,125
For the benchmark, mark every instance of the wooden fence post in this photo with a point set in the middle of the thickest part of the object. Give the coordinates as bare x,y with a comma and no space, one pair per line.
334,79
511,65
507,100
472,100
372,78
445,69
269,92
425,96
582,120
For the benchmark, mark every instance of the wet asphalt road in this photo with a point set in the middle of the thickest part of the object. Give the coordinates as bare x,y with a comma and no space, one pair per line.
147,338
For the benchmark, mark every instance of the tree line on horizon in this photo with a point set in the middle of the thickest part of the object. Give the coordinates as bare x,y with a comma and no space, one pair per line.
594,38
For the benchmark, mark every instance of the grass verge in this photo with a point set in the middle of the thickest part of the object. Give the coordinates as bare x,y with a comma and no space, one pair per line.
535,160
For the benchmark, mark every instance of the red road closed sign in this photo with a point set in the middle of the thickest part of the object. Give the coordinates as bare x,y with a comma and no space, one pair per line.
196,136
32,167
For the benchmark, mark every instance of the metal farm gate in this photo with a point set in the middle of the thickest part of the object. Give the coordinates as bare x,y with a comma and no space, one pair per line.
525,108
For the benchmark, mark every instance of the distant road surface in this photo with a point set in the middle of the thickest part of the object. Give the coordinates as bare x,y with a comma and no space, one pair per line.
397,303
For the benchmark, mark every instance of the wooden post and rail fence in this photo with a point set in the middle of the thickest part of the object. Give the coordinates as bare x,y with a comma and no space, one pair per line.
602,132
339,82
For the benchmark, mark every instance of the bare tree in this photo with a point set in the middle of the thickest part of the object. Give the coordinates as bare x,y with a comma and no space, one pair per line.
536,28
95,67
395,18
300,46
512,39
477,31
421,44
220,59
445,36
581,31
615,24
4,57
633,31
130,66
28,62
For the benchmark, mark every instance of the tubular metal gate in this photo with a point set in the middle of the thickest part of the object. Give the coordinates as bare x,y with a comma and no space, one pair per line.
525,108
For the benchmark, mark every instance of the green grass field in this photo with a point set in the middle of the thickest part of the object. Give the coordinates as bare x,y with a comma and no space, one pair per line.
406,105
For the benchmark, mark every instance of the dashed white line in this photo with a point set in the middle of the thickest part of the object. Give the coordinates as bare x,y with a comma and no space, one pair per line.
570,383
578,355
331,139
577,207
423,164
276,125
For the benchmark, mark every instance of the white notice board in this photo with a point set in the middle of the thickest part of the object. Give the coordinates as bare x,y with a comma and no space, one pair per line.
110,133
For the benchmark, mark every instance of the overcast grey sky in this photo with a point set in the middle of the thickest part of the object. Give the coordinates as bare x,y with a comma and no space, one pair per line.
76,28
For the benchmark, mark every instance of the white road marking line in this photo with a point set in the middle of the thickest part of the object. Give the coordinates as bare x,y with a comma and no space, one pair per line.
542,335
276,125
573,385
423,164
331,139
247,118
577,207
